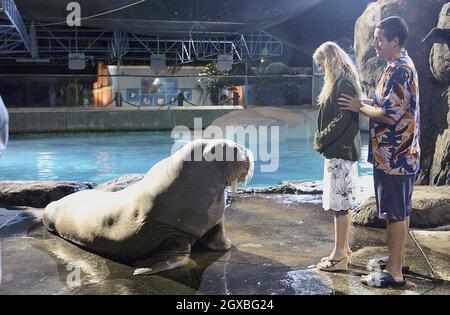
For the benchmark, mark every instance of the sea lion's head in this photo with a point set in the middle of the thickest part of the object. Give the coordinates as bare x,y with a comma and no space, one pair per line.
234,161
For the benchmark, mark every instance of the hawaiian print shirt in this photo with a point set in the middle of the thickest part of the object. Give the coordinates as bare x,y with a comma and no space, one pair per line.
395,148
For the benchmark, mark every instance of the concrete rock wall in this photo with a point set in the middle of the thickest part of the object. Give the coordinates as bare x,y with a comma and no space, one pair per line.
440,53
440,66
112,119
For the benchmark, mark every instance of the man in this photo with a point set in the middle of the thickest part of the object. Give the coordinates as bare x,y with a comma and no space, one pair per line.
394,150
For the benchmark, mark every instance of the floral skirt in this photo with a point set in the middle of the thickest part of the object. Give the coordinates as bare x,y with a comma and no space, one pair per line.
340,184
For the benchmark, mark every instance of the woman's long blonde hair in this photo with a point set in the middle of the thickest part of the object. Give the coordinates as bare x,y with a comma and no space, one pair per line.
337,64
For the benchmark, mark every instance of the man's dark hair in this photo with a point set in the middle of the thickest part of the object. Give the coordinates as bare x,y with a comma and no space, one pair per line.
395,26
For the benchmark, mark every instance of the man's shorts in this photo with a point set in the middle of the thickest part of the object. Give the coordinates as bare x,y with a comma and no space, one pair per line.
393,194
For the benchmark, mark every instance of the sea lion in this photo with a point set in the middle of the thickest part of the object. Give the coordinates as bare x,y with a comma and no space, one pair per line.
154,222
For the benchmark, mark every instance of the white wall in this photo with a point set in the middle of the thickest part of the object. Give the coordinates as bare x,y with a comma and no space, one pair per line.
137,73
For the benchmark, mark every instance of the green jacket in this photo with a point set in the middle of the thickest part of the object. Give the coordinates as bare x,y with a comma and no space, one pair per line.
338,130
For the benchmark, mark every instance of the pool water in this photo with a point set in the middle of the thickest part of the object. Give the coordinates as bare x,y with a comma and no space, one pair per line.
98,157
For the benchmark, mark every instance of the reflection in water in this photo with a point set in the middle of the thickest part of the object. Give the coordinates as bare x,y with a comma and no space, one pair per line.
99,275
225,280
45,166
306,283
208,272
102,160
0,262
337,282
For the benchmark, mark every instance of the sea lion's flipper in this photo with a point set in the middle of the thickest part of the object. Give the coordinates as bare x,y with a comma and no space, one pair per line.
171,254
215,239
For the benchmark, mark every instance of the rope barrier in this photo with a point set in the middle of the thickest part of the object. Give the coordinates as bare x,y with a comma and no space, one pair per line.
190,103
112,101
134,105
170,103
139,106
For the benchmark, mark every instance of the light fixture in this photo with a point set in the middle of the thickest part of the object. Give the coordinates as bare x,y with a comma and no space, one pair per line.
77,61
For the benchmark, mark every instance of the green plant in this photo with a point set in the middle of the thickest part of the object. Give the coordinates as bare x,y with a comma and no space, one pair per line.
210,81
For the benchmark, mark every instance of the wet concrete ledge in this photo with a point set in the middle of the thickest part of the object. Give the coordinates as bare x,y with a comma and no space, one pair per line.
40,193
76,119
277,242
277,237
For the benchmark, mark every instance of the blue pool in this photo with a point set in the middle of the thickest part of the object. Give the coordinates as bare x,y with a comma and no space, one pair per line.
98,157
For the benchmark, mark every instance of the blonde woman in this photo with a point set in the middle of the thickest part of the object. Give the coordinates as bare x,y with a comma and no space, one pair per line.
338,140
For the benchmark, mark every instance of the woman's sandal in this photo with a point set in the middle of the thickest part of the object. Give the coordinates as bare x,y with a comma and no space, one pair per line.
333,265
328,257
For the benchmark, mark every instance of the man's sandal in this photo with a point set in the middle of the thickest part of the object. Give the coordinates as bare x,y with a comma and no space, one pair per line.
382,279
333,265
380,263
